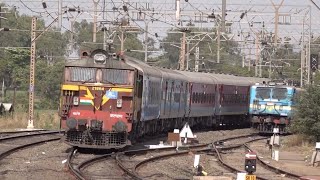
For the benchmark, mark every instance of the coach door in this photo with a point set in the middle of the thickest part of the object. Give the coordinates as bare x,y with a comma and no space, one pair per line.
138,96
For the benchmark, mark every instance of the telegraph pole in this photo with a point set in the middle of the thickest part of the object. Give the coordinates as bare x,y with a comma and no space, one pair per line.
34,37
223,21
0,15
146,41
32,70
183,51
196,63
122,42
188,54
218,44
276,21
60,14
94,31
257,55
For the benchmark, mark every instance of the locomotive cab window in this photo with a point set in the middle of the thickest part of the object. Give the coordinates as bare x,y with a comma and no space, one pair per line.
85,75
263,93
280,93
117,76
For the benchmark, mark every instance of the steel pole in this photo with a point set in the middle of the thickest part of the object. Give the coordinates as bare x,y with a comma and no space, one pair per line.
223,21
32,70
60,14
94,31
218,44
146,42
183,51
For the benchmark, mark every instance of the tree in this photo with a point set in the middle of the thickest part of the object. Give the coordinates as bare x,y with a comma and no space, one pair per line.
15,62
306,119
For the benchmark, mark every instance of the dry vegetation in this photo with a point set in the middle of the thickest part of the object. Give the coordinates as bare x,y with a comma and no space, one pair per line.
298,143
43,119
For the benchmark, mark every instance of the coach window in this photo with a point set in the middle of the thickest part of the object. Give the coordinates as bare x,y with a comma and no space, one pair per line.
207,98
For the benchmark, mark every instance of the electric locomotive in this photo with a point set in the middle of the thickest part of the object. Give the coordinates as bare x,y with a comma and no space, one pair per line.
271,107
109,101
96,105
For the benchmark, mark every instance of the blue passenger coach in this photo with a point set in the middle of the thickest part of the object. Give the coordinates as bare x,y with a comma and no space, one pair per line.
271,107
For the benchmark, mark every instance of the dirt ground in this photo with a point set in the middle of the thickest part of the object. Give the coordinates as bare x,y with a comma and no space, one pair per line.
46,161
295,159
38,162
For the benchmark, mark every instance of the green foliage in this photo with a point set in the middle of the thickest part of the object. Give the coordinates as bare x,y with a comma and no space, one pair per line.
307,116
15,61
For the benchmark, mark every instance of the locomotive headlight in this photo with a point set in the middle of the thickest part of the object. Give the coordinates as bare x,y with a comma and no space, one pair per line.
100,58
119,103
259,106
280,107
76,100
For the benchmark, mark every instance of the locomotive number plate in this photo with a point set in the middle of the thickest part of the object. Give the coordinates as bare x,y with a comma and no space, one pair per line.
98,88
251,177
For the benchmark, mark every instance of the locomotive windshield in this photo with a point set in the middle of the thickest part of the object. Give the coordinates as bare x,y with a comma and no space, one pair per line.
92,75
82,74
263,93
280,93
117,76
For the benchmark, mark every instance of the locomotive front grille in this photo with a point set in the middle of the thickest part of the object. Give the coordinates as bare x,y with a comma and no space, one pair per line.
97,139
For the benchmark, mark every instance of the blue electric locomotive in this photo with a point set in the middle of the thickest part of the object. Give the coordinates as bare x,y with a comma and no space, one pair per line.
271,107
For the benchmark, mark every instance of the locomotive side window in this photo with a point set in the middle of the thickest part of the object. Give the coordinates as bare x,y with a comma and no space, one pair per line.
117,76
280,93
263,93
83,74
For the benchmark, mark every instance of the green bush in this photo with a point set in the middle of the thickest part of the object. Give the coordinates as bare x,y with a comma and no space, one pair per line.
307,114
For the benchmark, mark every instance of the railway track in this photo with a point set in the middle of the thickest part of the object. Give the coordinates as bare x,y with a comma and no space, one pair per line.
129,164
264,171
274,169
10,133
12,143
132,160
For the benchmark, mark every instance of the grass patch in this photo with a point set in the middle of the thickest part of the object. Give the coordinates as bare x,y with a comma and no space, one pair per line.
43,119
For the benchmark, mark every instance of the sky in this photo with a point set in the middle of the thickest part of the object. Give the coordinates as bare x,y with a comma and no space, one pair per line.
258,13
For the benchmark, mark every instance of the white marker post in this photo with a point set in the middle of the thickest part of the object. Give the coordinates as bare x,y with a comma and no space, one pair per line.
275,140
196,160
316,155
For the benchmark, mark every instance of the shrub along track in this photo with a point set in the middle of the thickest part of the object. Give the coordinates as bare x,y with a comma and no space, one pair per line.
20,140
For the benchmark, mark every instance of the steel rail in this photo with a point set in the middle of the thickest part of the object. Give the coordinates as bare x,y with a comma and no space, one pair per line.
28,135
139,164
274,169
12,150
74,171
78,170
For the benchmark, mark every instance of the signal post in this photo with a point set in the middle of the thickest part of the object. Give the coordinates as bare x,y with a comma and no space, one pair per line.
250,165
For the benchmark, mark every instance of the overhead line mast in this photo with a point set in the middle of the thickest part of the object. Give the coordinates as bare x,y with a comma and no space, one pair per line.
32,70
